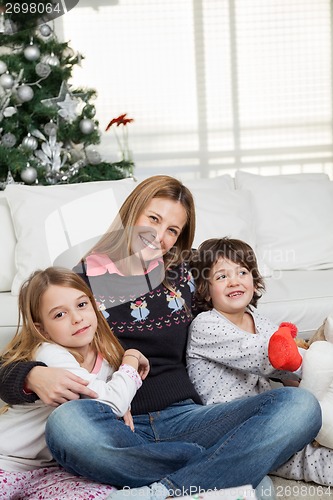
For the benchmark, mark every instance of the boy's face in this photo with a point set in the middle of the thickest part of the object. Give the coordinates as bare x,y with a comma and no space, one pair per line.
231,287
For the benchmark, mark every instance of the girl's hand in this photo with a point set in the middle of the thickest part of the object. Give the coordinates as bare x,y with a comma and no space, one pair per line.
137,360
55,386
128,419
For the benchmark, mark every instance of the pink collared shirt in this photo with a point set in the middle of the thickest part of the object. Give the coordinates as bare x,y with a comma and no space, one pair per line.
98,264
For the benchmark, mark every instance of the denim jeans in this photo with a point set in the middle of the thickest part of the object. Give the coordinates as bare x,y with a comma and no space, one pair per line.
187,447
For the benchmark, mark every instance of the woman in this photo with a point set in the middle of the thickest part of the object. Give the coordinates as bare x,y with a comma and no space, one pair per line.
140,278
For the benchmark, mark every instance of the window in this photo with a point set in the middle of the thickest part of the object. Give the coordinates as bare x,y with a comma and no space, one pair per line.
213,85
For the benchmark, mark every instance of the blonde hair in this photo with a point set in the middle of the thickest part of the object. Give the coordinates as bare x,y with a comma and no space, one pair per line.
28,337
116,242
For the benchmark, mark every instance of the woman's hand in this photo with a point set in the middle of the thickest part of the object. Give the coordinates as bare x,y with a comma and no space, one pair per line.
55,386
137,360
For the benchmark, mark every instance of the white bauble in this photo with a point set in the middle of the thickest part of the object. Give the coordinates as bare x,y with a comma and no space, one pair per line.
3,67
29,175
6,81
25,93
86,126
32,53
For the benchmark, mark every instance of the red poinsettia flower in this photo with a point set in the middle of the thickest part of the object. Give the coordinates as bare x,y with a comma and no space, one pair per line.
120,120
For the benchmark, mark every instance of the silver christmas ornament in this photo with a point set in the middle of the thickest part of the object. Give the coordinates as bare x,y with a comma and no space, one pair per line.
30,142
8,140
3,67
51,60
25,93
45,30
32,53
6,81
29,174
86,126
50,128
93,156
42,69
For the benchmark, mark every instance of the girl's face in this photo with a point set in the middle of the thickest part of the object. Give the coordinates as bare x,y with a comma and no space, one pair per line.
231,287
68,317
158,228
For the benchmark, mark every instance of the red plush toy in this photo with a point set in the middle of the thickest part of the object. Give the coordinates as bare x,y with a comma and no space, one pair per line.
282,349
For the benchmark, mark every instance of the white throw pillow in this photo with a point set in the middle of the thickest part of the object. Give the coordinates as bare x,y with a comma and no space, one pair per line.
7,246
221,210
294,222
50,220
245,180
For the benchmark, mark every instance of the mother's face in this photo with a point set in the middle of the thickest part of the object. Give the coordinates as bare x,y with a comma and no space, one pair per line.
158,228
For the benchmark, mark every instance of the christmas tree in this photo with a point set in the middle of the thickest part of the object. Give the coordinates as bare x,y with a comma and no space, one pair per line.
47,129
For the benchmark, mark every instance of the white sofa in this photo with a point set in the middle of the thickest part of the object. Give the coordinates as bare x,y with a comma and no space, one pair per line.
287,219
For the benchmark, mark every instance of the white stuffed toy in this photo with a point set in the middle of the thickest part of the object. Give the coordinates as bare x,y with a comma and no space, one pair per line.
317,377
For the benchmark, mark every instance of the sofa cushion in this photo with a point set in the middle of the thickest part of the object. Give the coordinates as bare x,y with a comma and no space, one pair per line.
49,220
294,220
304,298
221,210
7,247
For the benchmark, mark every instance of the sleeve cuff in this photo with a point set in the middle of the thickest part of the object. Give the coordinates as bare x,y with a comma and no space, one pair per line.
12,387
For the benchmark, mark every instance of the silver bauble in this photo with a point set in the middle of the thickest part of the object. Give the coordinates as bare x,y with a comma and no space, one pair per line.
8,140
86,126
30,142
51,60
25,93
45,30
29,175
50,128
42,69
31,53
93,156
3,67
6,81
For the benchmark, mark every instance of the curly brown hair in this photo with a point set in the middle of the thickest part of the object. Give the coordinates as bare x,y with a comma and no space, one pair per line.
208,253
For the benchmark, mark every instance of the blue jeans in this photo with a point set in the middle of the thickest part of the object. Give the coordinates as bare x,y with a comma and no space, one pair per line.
187,447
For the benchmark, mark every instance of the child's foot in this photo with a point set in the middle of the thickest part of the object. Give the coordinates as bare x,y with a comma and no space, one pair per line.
282,349
156,491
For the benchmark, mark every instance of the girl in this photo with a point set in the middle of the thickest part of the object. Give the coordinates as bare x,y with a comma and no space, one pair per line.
61,326
139,275
227,352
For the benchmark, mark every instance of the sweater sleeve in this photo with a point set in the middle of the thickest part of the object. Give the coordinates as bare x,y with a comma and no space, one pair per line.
118,391
12,380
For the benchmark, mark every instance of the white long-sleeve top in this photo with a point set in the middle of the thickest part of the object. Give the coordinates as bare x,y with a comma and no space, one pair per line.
226,363
22,427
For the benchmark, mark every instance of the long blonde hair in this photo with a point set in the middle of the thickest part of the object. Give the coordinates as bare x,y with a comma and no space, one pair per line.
116,242
28,337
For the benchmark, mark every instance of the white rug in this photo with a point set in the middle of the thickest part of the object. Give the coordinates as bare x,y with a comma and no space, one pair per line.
298,490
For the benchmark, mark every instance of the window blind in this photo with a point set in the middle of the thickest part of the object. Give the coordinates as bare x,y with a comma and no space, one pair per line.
213,85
